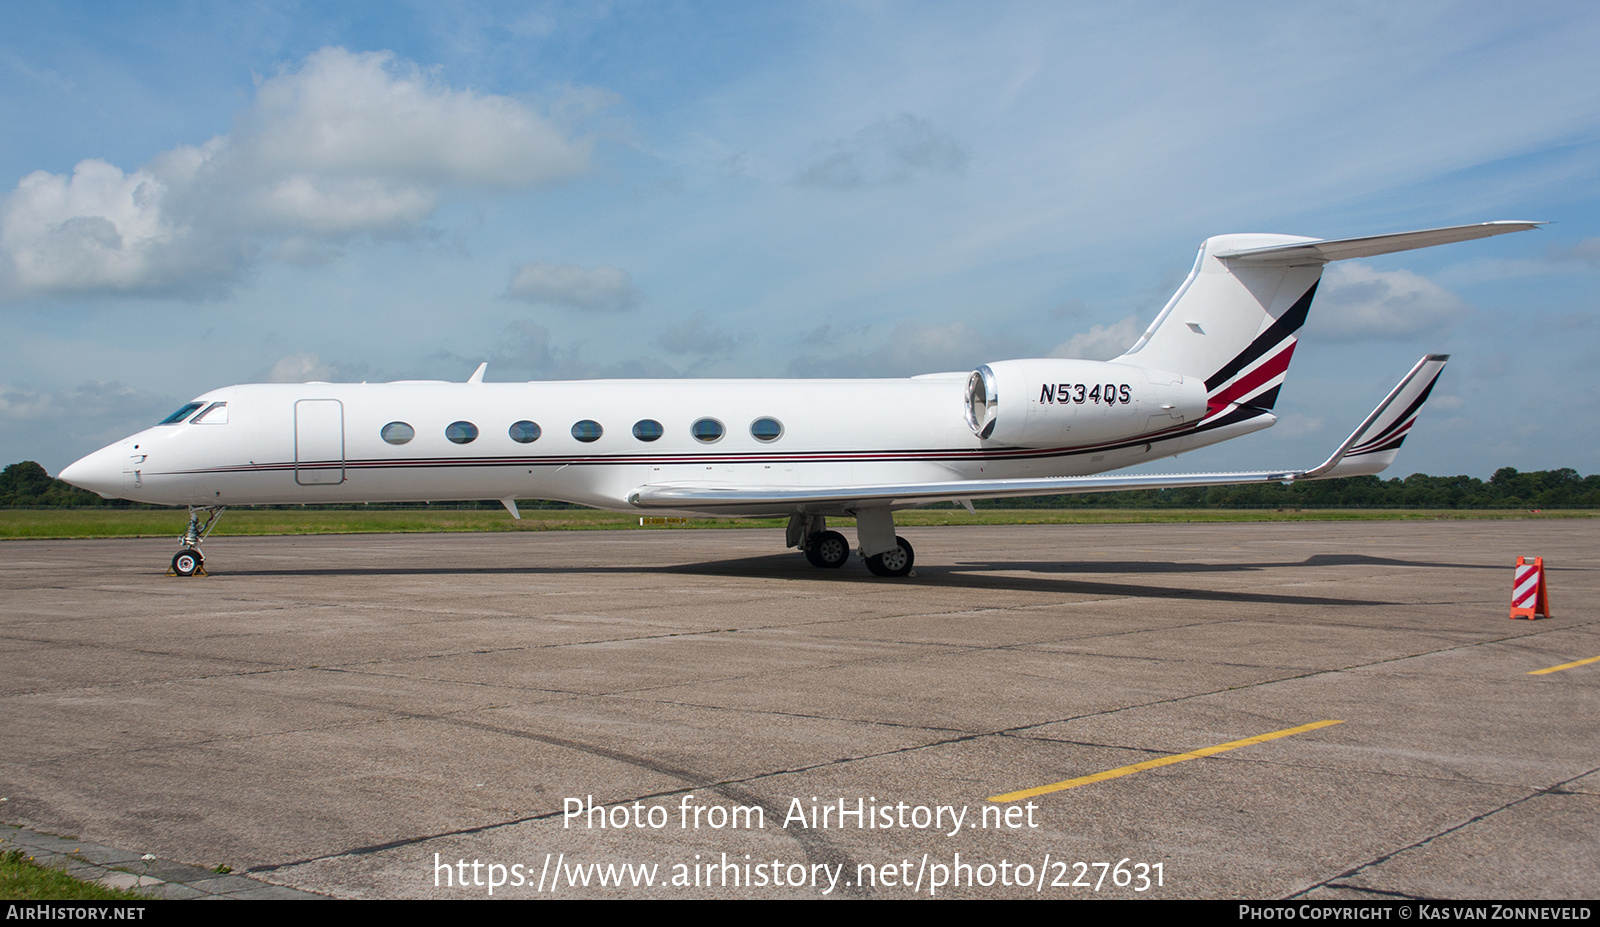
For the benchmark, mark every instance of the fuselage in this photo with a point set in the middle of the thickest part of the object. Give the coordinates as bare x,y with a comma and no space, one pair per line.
593,442
1209,368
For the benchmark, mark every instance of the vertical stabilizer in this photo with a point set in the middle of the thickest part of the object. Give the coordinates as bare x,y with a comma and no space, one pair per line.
1232,324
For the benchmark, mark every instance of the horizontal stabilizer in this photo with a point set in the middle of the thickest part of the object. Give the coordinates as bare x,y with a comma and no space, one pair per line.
1368,450
1343,249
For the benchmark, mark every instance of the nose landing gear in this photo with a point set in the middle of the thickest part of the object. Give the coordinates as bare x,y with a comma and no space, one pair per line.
189,561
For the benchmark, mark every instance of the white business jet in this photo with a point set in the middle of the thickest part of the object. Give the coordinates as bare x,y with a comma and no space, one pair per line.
1208,369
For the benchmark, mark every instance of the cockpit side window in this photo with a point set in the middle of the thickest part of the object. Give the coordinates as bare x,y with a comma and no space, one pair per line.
215,414
181,414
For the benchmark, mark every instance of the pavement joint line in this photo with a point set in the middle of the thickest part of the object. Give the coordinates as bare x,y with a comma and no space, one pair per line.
756,777
1129,770
557,694
1431,608
1556,788
875,722
388,718
966,735
1024,646
943,650
954,649
815,846
1564,666
714,786
1398,896
1305,675
112,686
1324,767
1020,728
1102,635
933,649
147,873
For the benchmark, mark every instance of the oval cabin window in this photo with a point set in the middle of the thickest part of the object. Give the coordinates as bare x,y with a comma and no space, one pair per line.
766,429
707,430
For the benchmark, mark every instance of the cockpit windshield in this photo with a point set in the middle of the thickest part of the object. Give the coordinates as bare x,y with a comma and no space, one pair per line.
181,414
215,414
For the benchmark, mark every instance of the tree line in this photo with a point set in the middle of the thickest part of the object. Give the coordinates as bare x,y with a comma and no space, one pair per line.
28,485
1508,488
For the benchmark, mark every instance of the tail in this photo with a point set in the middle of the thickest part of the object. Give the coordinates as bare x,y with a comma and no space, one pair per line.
1232,323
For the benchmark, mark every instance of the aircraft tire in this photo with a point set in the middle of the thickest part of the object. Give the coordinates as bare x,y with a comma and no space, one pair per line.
187,562
828,550
895,562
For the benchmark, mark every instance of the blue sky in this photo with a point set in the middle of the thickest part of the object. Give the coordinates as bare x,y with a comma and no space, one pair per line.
198,195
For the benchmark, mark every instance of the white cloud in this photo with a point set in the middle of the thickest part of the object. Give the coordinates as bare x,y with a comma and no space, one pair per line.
18,404
341,206
1298,425
348,144
99,218
888,151
367,115
41,424
909,350
301,368
1586,251
527,348
1358,303
696,335
102,230
601,289
826,335
1101,342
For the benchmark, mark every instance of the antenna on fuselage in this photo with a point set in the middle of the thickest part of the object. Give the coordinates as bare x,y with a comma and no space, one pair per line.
477,375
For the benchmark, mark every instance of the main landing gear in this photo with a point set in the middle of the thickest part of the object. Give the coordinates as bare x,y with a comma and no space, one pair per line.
828,550
886,553
895,561
188,561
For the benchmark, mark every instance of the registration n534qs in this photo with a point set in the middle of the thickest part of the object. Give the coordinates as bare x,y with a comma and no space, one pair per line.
1208,369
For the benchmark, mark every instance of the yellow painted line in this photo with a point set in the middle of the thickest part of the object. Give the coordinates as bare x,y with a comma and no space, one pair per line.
1121,771
1557,669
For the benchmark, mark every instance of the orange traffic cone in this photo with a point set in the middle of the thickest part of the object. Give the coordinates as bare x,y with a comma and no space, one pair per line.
1530,598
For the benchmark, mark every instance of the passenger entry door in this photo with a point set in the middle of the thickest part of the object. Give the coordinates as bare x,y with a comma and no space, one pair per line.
318,442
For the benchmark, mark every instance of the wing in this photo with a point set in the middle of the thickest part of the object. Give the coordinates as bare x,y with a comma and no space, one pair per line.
1368,450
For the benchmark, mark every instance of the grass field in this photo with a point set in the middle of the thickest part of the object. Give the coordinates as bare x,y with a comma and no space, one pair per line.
21,879
101,523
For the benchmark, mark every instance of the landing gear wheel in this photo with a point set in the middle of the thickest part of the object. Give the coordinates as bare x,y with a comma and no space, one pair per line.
895,562
828,550
187,562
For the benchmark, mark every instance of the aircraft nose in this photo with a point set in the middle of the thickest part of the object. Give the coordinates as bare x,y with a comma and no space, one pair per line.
99,472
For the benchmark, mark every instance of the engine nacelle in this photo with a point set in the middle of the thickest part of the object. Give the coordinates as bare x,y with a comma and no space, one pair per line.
1051,402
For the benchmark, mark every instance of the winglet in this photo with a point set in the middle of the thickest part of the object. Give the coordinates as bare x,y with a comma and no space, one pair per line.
477,375
1374,443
